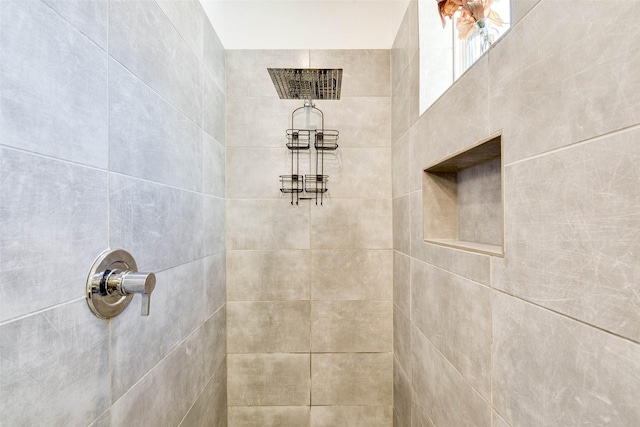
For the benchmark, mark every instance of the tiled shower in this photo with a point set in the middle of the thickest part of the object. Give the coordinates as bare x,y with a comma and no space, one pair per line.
127,124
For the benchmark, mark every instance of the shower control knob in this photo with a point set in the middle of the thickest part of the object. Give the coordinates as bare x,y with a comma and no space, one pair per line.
130,282
112,281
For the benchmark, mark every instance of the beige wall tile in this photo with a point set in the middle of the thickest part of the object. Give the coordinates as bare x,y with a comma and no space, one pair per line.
361,121
401,397
402,282
359,172
519,8
351,416
551,369
268,327
259,122
269,416
446,396
268,275
497,421
401,174
402,339
413,81
352,379
405,43
253,173
211,407
400,103
419,416
351,326
455,315
268,379
247,69
402,224
352,275
365,72
267,224
352,224
587,88
447,128
573,232
467,264
480,215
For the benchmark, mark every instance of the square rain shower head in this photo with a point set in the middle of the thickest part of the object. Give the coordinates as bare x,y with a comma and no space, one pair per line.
307,83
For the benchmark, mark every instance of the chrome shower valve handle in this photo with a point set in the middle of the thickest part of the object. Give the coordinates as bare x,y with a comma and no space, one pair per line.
112,281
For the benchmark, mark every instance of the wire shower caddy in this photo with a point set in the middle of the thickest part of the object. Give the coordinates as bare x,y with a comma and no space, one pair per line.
299,139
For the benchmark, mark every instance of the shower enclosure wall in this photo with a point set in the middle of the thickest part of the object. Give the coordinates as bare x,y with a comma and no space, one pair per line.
309,287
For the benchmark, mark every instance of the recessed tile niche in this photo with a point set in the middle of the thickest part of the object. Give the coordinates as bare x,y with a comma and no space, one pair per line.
463,201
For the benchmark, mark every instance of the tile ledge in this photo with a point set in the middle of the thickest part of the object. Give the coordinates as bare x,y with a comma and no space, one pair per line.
482,248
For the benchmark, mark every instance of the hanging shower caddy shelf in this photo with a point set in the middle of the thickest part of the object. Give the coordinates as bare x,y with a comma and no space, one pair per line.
299,139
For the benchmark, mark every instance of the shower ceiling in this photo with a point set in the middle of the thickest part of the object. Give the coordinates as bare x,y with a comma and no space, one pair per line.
305,24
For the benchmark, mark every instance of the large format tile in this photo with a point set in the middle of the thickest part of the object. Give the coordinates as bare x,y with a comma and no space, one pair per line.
352,275
400,115
352,224
267,224
214,56
87,16
160,226
52,218
211,407
405,44
361,121
359,172
167,392
562,93
258,122
419,415
402,282
103,420
214,108
148,138
268,327
352,379
351,416
269,416
455,315
448,399
213,166
473,266
251,379
402,224
189,19
519,8
551,370
402,339
213,234
215,282
247,70
177,307
253,173
446,128
365,72
573,232
402,173
401,397
55,368
53,86
370,326
142,39
268,275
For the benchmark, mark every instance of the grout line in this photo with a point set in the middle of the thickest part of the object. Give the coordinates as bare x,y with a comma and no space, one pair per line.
577,144
40,311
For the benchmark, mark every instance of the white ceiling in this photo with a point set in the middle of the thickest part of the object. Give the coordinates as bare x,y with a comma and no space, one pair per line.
306,24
